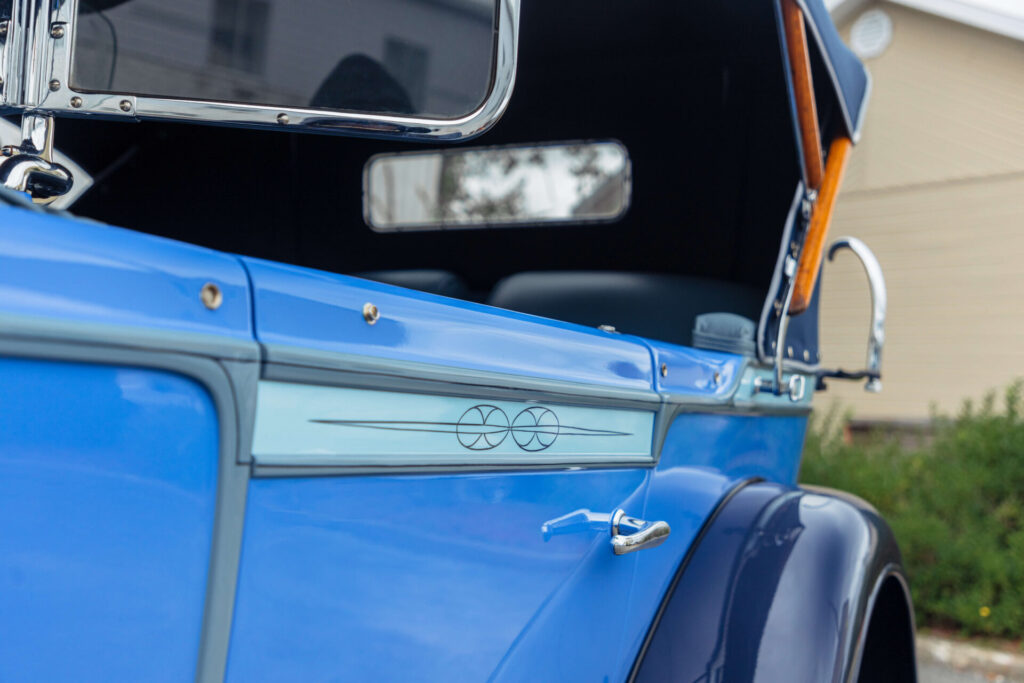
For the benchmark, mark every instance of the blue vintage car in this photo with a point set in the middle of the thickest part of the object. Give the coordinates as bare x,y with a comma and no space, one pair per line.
374,406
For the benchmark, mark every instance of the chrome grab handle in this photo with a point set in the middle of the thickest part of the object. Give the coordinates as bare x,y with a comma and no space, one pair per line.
643,534
876,335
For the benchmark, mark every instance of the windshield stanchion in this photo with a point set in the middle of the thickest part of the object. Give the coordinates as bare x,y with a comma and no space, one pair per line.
29,166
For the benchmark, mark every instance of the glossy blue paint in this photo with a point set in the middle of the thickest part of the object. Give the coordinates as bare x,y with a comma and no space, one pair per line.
695,372
778,589
312,309
432,578
369,578
76,270
704,457
107,487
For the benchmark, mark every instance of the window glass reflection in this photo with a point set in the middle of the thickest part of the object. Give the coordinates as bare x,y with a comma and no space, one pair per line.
572,182
429,58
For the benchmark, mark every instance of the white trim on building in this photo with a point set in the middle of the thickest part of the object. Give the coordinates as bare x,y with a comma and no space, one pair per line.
1005,17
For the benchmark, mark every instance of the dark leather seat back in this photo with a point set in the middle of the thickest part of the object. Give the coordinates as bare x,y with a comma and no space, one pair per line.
443,282
662,307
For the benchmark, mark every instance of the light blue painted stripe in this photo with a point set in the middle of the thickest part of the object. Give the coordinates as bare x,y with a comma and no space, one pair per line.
299,424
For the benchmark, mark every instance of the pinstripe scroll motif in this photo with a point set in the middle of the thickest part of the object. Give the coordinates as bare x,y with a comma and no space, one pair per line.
322,425
484,427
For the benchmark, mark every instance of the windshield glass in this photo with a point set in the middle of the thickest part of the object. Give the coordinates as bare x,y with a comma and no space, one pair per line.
425,58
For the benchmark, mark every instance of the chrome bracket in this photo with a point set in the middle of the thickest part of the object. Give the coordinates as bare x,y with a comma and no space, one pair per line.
796,386
879,303
29,166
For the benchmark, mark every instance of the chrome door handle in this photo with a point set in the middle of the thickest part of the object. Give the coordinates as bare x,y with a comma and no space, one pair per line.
640,534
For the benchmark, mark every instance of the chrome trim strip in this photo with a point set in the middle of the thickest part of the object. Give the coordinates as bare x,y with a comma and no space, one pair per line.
52,61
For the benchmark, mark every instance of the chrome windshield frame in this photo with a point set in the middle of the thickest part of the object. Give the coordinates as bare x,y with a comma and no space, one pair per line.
35,60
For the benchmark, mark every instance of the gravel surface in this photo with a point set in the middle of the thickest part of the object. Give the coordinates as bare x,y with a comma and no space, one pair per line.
931,672
944,660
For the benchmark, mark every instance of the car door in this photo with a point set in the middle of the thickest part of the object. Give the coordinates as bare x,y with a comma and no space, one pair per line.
432,486
118,439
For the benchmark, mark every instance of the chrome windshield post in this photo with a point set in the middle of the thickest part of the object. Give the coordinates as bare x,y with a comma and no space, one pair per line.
29,166
796,387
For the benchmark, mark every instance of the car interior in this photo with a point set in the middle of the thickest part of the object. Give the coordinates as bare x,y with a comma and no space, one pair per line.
694,91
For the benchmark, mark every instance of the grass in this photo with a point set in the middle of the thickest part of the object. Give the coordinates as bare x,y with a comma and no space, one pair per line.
955,503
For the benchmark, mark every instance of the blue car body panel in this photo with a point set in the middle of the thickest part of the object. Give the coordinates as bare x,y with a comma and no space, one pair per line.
768,593
358,574
80,271
372,578
277,486
378,576
694,372
107,493
309,309
705,457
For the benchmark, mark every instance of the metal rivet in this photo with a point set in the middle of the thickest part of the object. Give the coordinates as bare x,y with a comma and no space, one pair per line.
371,314
282,119
3,27
57,31
76,102
807,354
211,296
664,369
55,85
789,351
717,377
125,105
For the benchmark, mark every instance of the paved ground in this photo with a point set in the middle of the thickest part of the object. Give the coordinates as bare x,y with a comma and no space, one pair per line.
943,660
931,672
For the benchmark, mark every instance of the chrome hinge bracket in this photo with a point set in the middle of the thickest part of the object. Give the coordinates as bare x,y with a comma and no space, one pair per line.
29,166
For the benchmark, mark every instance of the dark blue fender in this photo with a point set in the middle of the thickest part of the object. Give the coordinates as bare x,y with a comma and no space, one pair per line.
785,585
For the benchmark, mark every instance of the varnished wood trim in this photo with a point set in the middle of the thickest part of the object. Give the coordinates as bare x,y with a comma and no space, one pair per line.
803,90
814,244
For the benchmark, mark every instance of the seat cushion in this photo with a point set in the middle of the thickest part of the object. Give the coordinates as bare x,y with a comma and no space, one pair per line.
658,306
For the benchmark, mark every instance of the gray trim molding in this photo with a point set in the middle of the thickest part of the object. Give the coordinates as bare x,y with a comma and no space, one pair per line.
309,366
224,381
16,326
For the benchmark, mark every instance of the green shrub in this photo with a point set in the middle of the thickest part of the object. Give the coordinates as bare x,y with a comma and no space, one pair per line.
956,505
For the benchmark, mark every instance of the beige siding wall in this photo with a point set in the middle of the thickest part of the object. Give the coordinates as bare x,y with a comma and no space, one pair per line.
936,188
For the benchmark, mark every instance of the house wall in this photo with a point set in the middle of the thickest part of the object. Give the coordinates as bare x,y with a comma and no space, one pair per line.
936,188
